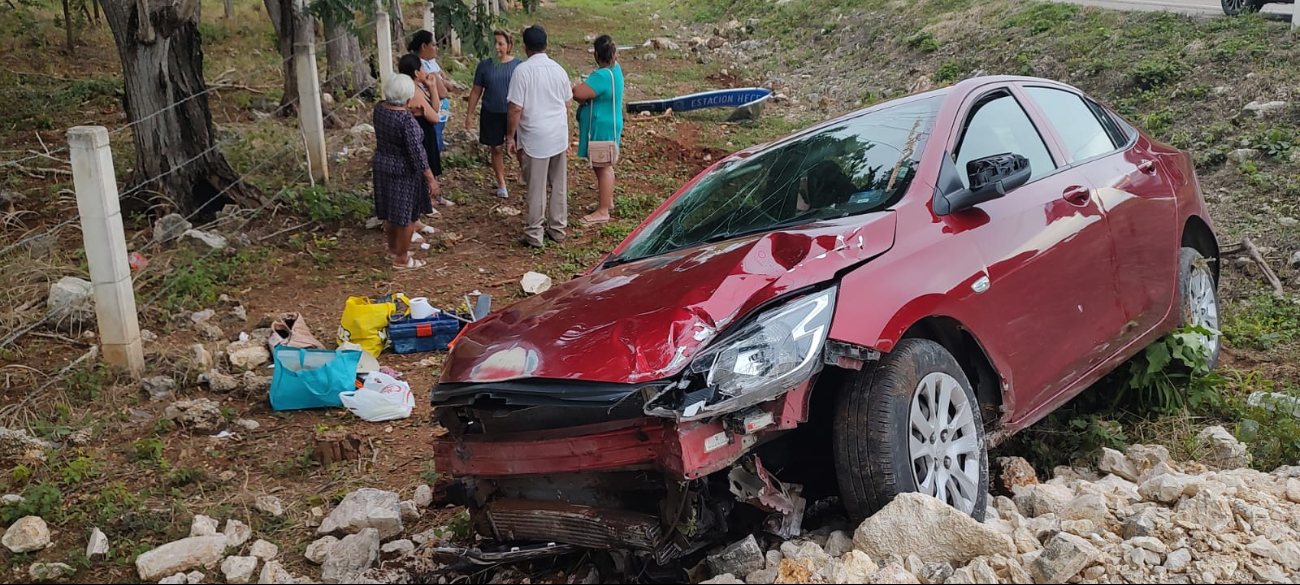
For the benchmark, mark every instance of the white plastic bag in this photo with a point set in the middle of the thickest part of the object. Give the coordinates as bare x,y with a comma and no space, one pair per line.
381,397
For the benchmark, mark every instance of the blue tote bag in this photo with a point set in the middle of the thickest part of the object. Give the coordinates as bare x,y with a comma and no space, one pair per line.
312,378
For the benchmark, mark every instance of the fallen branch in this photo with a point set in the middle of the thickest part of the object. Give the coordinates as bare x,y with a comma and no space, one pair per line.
1268,272
285,230
32,171
10,411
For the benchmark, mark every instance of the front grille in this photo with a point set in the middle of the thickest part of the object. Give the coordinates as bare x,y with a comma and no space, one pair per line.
601,528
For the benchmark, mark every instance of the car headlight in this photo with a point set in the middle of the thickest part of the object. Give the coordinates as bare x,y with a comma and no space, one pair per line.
762,359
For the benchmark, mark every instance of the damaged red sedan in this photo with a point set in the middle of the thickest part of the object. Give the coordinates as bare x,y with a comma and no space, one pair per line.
846,314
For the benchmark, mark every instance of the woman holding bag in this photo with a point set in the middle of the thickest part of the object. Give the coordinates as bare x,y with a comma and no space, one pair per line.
600,123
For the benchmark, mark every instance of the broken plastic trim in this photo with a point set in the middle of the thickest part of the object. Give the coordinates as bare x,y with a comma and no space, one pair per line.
765,357
537,392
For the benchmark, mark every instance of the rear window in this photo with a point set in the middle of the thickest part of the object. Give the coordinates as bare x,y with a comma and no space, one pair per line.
860,165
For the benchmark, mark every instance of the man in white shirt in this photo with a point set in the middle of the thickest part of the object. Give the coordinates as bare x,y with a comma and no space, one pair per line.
538,118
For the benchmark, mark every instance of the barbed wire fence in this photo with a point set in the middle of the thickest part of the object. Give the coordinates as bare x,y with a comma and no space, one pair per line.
107,270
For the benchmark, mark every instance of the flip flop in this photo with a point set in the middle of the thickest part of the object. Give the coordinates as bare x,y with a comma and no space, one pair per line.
416,238
411,264
590,222
428,229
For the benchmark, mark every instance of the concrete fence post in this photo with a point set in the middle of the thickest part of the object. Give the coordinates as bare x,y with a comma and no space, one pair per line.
384,36
101,229
428,16
310,115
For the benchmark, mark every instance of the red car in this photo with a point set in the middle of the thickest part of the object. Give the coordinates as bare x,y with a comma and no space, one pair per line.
855,311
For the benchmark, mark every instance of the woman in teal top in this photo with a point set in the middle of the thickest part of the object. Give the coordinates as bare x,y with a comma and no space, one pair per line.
600,118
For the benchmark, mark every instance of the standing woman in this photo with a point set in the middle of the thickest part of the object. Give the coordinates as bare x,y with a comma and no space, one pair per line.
492,83
403,182
426,115
600,123
422,45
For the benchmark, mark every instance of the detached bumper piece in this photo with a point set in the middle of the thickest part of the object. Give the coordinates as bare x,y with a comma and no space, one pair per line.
586,526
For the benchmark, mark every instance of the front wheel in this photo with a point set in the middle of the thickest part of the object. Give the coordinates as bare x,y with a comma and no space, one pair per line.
1236,7
1198,300
911,424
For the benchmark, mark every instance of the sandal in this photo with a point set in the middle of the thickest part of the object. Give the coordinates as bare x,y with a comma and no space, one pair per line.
411,263
586,221
416,238
428,229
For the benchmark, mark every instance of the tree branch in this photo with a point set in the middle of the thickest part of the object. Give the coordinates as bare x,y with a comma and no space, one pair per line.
1268,272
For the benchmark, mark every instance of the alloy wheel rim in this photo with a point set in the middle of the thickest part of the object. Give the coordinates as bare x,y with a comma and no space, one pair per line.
944,448
1203,306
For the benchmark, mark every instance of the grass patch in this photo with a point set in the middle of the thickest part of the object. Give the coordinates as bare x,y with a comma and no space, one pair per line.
201,279
1263,322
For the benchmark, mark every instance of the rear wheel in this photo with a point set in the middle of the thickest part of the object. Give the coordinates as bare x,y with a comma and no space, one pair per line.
912,424
1235,7
1198,299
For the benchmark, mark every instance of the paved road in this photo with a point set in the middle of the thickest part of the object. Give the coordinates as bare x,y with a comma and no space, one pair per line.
1200,7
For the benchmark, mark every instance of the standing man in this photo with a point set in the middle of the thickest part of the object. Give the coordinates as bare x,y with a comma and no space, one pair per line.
538,117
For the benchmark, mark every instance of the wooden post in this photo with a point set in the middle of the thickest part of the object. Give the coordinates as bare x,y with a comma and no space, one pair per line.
1295,16
384,36
428,17
310,115
105,241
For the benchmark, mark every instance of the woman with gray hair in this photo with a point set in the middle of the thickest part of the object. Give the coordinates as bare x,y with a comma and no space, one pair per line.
404,184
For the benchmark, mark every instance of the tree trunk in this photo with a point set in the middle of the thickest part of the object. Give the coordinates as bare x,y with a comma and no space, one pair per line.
95,3
284,35
67,23
229,6
346,70
395,16
163,94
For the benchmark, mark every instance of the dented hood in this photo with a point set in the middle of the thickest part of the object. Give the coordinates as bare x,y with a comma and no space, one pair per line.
645,320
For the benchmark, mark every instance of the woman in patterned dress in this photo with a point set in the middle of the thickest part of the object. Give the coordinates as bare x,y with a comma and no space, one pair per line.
404,184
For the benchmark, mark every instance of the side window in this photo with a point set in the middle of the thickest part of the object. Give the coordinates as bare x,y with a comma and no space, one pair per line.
1077,123
1000,126
1109,121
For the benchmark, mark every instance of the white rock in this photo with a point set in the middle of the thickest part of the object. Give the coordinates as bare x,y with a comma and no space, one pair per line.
838,543
1142,557
1204,511
248,355
71,303
351,557
535,283
1178,560
177,579
935,573
423,496
319,550
248,424
263,550
11,500
922,525
211,240
203,526
1113,461
1242,154
893,573
315,517
858,567
28,534
773,558
806,552
49,571
237,533
174,557
1149,543
1063,557
218,381
1088,506
1288,555
408,511
1262,109
97,548
762,577
170,228
365,508
269,505
401,547
1222,450
983,573
274,574
1165,489
725,579
739,558
200,414
239,569
194,577
1039,499
363,130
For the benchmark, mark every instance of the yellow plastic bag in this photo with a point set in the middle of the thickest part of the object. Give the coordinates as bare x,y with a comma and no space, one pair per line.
366,324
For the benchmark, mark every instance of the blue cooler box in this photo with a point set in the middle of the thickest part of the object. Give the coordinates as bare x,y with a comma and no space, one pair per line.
422,335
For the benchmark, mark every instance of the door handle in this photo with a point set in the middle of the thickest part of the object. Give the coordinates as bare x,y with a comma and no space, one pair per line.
1077,196
1148,167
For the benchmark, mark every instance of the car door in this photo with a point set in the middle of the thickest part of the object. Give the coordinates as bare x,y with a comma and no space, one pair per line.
1136,193
1049,303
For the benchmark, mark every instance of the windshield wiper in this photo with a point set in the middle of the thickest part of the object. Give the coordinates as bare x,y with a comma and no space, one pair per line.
767,228
617,261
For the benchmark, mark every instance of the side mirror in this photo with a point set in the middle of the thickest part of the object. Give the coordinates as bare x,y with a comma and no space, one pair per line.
990,177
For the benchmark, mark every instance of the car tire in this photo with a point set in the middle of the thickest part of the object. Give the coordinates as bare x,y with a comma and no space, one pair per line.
1198,297
1236,7
874,432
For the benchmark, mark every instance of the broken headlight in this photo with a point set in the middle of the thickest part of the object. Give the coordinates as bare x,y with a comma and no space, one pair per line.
763,358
